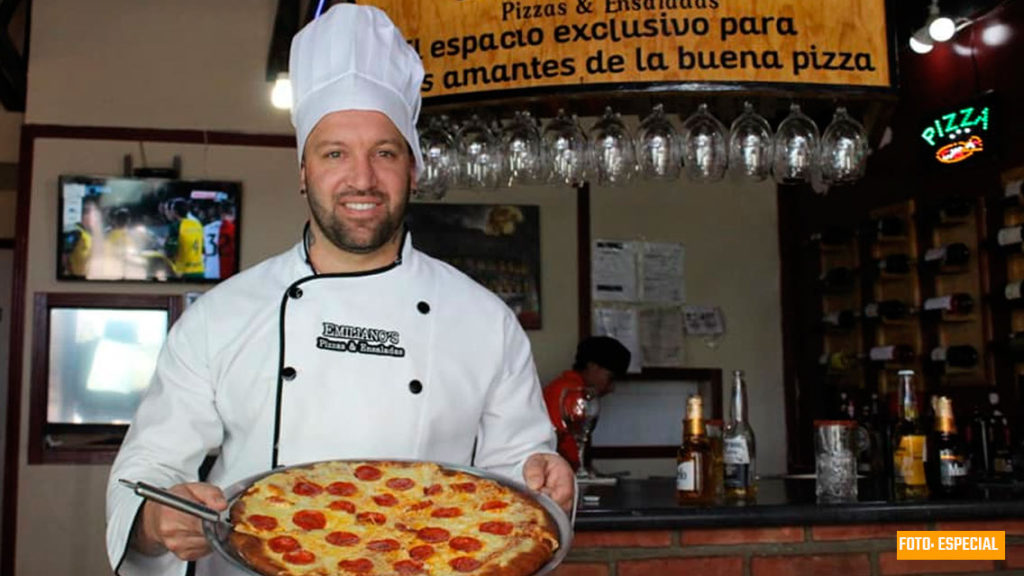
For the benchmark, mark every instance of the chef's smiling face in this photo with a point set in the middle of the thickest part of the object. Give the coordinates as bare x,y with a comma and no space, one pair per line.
357,171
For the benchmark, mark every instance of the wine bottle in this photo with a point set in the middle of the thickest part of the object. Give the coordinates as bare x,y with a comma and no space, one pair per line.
953,210
832,236
839,319
838,362
896,354
1015,346
1000,445
887,309
1013,290
950,305
893,264
1012,195
1010,237
883,228
958,356
950,256
840,278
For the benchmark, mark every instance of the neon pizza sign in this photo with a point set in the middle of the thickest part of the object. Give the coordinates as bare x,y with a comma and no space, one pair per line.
955,136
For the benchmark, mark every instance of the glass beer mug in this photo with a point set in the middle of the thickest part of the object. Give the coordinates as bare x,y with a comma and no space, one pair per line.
523,151
844,150
658,147
796,148
479,155
440,160
750,145
612,146
566,147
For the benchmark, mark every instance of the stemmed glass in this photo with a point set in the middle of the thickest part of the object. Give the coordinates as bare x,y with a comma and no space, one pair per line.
580,409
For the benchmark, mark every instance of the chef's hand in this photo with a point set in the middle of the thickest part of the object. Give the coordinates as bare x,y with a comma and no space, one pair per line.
551,475
160,528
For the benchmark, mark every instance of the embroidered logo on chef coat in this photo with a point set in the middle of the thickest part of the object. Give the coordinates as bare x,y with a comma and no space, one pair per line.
360,340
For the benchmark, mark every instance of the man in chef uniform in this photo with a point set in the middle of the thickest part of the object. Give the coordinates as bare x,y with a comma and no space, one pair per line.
350,345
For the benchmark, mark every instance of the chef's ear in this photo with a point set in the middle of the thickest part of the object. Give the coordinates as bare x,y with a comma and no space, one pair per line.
302,178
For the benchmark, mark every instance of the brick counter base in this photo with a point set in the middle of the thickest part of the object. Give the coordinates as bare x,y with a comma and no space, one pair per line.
847,550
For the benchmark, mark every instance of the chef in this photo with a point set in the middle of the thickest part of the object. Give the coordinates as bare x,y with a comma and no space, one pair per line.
352,344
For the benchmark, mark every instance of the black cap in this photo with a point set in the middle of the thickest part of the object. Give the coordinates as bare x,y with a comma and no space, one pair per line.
605,351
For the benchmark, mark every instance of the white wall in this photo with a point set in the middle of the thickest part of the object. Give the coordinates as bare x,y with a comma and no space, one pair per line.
196,64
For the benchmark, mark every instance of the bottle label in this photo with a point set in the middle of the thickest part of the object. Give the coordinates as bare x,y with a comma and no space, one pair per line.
736,476
938,354
939,303
1012,290
909,460
735,451
882,353
951,467
935,254
1002,465
686,476
871,310
1008,236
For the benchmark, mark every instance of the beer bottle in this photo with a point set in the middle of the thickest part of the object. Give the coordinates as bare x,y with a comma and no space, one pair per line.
693,461
909,444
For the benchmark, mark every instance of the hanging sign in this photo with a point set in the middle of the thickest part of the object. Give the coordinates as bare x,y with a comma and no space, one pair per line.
960,135
474,46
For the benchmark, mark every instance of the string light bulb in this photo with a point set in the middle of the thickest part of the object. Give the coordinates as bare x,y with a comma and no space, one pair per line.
281,93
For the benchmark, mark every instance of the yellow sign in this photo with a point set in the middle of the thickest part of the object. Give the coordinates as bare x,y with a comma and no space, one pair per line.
951,545
473,46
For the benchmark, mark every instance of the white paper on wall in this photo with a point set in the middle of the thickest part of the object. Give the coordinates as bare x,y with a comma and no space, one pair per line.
623,325
614,271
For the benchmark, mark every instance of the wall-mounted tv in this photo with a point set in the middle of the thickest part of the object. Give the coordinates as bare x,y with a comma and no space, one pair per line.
147,229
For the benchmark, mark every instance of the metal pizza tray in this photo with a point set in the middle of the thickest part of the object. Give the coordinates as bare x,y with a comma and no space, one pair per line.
218,533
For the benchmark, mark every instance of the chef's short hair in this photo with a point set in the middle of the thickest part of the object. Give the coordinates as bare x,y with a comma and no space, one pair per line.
605,351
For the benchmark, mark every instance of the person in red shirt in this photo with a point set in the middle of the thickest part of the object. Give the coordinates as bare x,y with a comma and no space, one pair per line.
599,360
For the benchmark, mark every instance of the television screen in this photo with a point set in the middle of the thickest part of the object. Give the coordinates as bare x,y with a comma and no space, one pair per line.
147,229
101,361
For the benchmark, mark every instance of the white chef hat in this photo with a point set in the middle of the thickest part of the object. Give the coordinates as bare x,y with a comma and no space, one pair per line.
354,58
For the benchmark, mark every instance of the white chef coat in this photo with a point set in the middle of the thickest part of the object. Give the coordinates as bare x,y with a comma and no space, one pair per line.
414,360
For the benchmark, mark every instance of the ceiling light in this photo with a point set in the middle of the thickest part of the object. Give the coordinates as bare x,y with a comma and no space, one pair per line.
942,28
920,42
281,94
996,34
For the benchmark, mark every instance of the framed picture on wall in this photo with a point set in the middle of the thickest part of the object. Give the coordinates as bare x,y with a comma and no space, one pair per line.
498,245
147,229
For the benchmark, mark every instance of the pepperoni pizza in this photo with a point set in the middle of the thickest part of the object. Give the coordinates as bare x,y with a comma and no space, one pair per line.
384,518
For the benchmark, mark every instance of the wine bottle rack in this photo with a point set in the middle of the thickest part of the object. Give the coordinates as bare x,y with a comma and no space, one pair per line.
957,329
902,286
842,342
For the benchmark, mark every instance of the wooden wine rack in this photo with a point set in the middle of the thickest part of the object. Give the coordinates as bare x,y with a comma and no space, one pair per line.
842,341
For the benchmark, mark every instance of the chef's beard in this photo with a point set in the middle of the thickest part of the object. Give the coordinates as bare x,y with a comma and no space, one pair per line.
344,235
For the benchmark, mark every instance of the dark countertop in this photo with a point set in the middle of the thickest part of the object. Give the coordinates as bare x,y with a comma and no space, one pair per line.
650,505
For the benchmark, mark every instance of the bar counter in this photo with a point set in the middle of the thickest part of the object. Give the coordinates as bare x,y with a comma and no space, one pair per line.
635,528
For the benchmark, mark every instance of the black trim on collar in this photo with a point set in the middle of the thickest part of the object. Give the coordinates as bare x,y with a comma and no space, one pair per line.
309,261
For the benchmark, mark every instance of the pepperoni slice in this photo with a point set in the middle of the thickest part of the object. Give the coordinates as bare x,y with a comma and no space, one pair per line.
493,505
400,483
384,545
357,566
371,518
464,564
368,473
261,522
432,490
343,506
421,505
342,539
309,519
385,499
450,512
465,544
306,488
408,567
341,488
421,552
467,487
433,534
281,544
499,528
299,557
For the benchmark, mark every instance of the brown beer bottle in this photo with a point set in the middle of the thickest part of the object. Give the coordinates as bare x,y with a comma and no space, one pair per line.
693,462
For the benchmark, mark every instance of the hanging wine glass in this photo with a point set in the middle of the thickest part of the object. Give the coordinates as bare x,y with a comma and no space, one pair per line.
750,145
658,147
523,151
612,146
479,155
440,160
580,408
704,151
844,149
566,147
796,148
